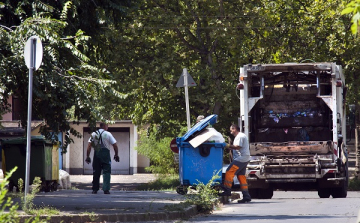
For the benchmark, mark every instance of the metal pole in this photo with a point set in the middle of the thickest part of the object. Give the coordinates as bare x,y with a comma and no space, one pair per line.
185,73
240,120
357,154
28,130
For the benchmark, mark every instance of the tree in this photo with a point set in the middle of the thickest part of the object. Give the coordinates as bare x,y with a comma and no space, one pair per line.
68,85
353,8
213,39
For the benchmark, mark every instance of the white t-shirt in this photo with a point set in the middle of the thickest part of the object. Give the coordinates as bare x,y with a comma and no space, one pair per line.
107,138
243,154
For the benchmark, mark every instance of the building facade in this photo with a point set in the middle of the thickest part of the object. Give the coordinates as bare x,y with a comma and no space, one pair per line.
73,161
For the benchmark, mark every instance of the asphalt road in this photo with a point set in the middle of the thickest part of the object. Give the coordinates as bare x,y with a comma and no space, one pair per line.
291,206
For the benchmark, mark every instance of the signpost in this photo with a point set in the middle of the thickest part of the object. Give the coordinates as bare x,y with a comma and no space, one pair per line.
185,81
33,54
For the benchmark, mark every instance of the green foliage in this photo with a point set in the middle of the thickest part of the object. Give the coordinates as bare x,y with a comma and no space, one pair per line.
213,40
353,8
106,60
162,182
158,151
10,216
206,196
27,204
354,184
70,84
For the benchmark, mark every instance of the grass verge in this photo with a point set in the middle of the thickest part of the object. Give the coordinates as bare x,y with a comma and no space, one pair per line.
205,196
163,182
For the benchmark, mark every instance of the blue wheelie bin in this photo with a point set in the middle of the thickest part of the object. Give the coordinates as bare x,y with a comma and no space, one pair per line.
200,163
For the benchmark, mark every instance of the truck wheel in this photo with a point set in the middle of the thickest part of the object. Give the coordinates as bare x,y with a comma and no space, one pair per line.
265,193
324,192
341,192
254,193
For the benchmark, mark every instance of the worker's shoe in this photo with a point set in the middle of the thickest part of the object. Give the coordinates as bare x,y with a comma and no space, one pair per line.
94,192
244,201
246,197
106,192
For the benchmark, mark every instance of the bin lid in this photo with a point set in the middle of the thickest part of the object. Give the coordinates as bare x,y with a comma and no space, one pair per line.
23,140
210,120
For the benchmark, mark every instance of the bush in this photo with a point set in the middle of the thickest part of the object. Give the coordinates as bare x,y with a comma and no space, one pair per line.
206,196
9,209
354,184
158,151
11,215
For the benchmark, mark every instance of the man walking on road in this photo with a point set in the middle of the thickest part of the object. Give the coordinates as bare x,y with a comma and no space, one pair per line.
101,140
241,157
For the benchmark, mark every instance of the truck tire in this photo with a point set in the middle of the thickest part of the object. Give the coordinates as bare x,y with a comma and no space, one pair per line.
265,193
324,192
254,193
341,192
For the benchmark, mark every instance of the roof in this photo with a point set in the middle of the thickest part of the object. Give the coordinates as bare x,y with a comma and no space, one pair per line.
14,128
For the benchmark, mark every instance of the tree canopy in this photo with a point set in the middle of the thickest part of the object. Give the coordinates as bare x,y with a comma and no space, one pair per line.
111,60
69,85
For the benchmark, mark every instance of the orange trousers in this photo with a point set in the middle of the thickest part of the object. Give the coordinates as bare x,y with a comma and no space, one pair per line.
238,169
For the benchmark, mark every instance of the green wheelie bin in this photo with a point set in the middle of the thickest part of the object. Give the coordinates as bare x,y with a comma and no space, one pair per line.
44,161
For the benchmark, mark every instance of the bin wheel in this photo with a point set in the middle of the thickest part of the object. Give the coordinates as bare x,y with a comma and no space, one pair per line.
216,187
53,186
47,186
182,190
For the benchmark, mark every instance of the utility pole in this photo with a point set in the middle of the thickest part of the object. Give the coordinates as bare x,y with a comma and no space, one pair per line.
357,150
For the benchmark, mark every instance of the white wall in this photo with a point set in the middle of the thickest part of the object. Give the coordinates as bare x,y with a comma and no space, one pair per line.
73,161
8,116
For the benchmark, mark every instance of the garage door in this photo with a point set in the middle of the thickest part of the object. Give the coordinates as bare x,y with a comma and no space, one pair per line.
122,136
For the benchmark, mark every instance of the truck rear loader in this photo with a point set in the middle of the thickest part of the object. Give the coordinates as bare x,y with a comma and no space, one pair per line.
295,118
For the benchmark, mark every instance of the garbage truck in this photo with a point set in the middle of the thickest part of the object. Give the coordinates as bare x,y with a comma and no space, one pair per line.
294,115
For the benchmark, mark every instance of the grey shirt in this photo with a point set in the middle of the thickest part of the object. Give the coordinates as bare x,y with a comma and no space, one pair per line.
243,154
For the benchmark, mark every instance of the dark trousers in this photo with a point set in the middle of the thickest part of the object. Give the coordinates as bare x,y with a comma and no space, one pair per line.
101,162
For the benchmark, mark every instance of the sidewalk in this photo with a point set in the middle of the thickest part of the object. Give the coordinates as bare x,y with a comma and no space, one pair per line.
124,204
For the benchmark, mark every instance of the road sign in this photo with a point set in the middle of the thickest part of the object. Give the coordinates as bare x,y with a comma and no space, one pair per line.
184,81
173,146
33,52
181,81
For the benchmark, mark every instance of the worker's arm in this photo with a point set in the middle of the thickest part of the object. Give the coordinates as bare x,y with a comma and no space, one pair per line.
234,147
116,149
116,157
88,150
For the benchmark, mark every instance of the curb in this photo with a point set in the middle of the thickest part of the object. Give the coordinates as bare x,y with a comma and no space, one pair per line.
127,217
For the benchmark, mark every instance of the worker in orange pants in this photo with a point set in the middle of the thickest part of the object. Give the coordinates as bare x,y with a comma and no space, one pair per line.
241,158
